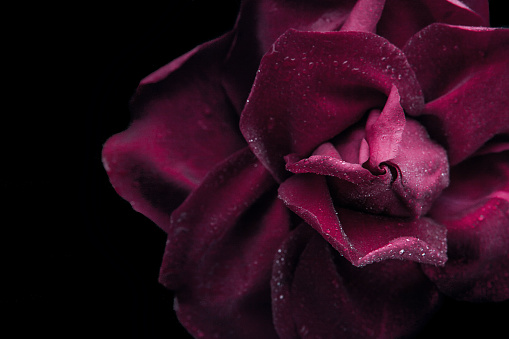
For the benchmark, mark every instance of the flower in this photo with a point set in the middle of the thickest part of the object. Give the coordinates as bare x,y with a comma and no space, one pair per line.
321,171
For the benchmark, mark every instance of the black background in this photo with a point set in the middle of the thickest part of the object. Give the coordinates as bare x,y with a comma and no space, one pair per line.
76,259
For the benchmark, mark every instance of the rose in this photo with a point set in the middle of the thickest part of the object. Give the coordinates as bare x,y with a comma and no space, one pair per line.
241,265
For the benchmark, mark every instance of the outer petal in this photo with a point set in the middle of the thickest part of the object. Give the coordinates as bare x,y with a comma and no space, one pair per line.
405,172
312,86
220,249
475,209
274,17
259,25
360,237
412,16
183,126
463,72
262,22
317,294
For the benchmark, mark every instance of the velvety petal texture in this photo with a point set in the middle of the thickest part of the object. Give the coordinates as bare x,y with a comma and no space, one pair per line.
262,22
318,294
463,72
183,125
220,250
383,125
310,88
475,210
412,16
360,237
399,170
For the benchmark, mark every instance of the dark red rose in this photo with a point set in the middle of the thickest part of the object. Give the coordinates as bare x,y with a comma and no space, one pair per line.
327,169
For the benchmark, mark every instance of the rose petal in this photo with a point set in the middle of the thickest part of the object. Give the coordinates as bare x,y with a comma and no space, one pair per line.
316,293
364,16
360,237
384,132
463,72
274,17
262,22
220,249
412,16
183,126
312,86
423,169
405,172
475,210
259,25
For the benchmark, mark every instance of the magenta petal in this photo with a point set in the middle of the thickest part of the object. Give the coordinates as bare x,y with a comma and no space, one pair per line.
315,293
378,238
179,132
412,16
360,237
384,132
463,72
364,16
423,169
260,23
275,17
312,86
405,172
220,250
475,210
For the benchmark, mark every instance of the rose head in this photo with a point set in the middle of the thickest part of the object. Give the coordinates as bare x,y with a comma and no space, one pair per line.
358,177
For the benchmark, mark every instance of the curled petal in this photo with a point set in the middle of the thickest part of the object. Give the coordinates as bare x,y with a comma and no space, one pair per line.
275,17
259,25
178,134
364,16
360,237
384,132
415,15
463,72
475,210
423,169
262,22
317,293
312,86
220,249
403,175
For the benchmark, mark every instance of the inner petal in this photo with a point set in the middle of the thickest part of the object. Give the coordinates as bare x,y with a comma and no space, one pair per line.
389,166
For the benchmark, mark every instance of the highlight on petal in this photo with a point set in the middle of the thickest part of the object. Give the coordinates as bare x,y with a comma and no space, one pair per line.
364,16
384,132
178,133
463,72
402,170
360,237
315,292
313,86
220,249
475,210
